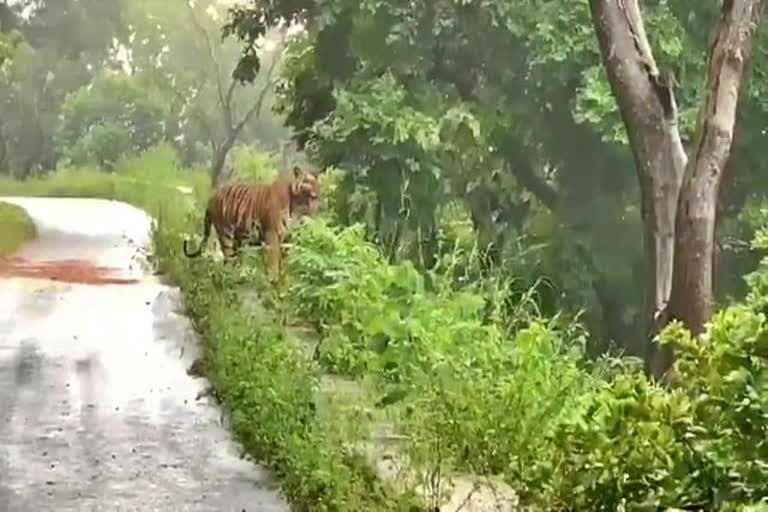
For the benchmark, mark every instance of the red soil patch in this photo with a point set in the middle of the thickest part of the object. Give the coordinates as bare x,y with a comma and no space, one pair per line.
68,271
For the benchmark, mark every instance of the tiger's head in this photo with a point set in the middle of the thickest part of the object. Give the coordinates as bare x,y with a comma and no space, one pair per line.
305,192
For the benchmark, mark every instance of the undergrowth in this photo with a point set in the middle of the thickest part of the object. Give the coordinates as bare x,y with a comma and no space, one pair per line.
475,383
471,394
147,180
269,387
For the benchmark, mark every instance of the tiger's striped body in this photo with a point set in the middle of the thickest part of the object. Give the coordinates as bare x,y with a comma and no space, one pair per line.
236,209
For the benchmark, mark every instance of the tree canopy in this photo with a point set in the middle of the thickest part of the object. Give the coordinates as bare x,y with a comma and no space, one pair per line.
90,82
505,109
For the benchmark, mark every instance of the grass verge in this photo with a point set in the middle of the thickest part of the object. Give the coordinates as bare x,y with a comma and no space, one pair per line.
267,387
17,228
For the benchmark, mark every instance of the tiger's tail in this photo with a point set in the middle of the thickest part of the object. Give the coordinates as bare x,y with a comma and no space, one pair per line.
206,234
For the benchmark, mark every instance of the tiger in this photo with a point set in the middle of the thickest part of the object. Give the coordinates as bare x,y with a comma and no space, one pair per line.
234,209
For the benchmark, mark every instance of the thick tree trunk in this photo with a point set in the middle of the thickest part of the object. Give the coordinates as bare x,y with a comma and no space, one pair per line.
217,167
691,299
678,197
220,154
649,111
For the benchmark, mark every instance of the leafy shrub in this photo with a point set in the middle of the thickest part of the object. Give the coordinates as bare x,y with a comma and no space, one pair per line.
340,283
627,450
269,388
490,402
114,118
253,164
365,306
102,144
725,372
17,228
701,444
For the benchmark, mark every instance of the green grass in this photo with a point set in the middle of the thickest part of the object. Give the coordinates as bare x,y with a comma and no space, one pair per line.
269,387
266,385
16,227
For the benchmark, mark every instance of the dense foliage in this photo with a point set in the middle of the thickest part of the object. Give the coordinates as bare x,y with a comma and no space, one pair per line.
111,118
483,242
474,384
525,403
140,73
503,108
18,228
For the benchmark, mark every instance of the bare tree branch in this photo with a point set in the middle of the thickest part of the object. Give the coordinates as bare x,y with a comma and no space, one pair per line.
233,129
214,60
228,101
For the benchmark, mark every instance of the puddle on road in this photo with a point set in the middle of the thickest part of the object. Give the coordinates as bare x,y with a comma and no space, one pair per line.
68,271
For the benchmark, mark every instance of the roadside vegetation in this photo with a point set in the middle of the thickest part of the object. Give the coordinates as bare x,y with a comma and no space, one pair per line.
17,228
471,383
494,288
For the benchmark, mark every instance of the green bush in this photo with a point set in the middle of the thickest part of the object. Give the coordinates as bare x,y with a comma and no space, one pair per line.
337,281
626,451
703,443
115,117
17,228
488,400
725,373
492,406
253,164
365,307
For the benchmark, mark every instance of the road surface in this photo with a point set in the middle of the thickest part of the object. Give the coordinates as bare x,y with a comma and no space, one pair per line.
96,409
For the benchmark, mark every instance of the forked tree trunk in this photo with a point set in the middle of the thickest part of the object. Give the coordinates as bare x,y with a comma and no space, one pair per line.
219,160
678,197
691,300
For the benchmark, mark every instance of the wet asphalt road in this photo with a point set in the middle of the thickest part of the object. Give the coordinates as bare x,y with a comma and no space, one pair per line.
96,409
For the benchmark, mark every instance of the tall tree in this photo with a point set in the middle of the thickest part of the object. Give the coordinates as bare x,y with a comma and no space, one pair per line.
8,24
233,117
185,55
679,189
64,44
